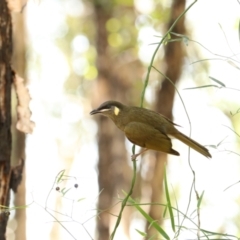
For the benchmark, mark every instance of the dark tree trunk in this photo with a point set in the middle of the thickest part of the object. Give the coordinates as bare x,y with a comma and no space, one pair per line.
174,54
113,171
9,177
6,78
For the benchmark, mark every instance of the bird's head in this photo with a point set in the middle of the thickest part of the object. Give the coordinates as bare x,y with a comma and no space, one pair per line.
111,109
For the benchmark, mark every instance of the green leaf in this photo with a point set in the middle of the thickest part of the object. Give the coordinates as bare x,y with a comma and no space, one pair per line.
200,200
165,212
141,233
168,200
64,191
204,86
210,233
217,81
167,39
168,36
148,218
60,176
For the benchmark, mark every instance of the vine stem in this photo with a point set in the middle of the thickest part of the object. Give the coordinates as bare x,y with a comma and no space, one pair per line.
157,48
125,200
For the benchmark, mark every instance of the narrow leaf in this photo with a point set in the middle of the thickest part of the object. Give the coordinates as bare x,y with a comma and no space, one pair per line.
169,201
148,218
218,233
204,86
60,176
200,200
141,233
217,81
165,212
64,191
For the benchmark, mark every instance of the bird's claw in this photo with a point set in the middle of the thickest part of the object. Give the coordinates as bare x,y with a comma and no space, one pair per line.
134,157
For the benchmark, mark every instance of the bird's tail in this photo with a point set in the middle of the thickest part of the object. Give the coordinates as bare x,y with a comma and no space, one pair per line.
192,144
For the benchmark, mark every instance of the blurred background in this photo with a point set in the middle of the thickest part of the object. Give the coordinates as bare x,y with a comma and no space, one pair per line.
76,54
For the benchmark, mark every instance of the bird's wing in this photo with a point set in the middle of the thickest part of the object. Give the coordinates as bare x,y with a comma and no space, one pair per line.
147,136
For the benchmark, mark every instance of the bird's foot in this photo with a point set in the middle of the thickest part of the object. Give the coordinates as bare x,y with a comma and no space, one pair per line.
134,156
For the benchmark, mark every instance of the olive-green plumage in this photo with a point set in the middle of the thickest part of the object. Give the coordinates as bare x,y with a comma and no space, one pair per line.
147,128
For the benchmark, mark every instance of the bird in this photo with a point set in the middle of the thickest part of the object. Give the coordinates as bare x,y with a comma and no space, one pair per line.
147,128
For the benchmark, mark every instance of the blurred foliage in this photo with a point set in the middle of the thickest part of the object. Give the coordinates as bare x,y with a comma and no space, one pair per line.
123,30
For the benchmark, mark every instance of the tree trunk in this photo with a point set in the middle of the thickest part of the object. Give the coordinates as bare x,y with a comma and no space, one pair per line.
6,78
9,177
174,54
114,172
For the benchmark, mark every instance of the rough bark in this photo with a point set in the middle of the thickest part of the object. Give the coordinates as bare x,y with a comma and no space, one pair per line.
9,177
6,77
173,58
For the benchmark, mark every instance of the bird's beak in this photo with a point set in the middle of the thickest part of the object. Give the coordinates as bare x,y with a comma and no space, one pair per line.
95,111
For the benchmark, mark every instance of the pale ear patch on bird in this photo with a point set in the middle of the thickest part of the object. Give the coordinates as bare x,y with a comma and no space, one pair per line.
116,110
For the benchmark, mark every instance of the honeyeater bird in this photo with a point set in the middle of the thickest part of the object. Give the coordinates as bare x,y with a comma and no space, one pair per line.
147,128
